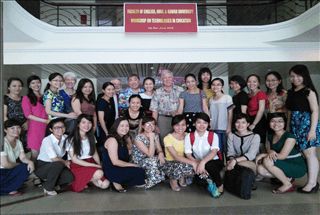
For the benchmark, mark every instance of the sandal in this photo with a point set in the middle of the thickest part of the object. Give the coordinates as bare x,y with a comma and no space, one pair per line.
50,193
14,193
37,182
177,189
182,183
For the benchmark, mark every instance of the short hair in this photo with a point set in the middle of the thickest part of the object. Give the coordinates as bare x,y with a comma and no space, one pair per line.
165,71
253,75
149,78
70,74
13,79
52,123
202,116
241,116
147,119
240,80
177,119
218,79
115,79
11,122
133,75
270,116
135,96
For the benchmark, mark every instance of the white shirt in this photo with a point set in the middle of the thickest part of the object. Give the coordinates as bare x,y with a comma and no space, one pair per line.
51,149
201,148
116,105
85,149
145,96
11,153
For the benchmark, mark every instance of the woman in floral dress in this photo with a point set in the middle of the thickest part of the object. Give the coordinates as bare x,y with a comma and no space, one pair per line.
148,154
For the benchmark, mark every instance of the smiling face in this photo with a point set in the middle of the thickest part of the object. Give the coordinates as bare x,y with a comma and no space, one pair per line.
167,79
277,124
295,79
135,104
87,89
201,125
242,125
205,77
235,86
148,85
180,127
116,83
123,128
58,129
109,91
272,82
85,125
149,126
57,82
191,82
35,85
134,82
69,82
253,83
13,132
216,86
15,87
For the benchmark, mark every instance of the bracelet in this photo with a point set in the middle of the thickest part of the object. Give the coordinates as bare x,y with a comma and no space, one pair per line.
235,160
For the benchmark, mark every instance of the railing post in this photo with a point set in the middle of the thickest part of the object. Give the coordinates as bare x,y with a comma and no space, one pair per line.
97,15
1,75
90,16
57,15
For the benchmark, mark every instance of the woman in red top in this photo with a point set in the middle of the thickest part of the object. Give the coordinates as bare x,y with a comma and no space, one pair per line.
256,108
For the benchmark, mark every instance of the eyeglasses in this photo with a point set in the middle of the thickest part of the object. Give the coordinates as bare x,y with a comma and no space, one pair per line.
59,127
217,85
149,124
60,81
274,121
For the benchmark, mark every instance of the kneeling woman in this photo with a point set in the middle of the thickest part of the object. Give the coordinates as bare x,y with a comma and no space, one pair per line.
13,174
202,147
85,165
177,165
50,165
116,166
146,146
282,159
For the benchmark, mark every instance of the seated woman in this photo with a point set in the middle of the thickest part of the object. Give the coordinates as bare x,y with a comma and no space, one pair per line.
116,166
85,165
13,174
202,147
50,165
146,146
177,165
243,145
283,160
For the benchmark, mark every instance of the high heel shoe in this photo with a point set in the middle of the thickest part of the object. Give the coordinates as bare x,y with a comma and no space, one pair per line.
50,193
314,189
113,188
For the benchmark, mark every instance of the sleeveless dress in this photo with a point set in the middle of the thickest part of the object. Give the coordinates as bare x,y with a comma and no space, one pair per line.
297,102
294,165
122,175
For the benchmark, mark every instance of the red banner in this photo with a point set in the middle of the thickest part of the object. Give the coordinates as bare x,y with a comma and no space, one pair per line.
160,18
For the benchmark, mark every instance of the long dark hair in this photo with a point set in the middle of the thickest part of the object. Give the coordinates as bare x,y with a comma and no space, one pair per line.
79,94
52,123
32,97
114,133
204,70
278,76
51,77
303,71
74,137
13,79
190,75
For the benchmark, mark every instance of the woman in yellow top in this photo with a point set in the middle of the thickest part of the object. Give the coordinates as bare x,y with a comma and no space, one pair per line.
177,165
204,78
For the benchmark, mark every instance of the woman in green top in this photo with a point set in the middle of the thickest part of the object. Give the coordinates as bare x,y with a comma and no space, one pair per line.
282,159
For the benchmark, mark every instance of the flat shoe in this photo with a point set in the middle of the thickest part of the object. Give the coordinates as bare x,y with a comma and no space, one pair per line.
177,189
290,189
182,184
50,193
14,193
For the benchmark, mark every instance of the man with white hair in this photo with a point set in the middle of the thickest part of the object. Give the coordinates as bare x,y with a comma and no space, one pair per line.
165,103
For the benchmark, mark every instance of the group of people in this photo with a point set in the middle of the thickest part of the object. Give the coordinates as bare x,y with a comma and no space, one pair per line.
140,136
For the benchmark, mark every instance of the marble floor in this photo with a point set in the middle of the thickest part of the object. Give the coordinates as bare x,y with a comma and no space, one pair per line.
161,200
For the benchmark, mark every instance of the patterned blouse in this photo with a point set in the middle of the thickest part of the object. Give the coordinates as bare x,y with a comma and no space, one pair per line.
278,100
165,102
57,102
137,155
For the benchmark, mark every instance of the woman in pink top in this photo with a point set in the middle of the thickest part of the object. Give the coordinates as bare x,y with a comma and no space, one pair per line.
84,100
36,113
256,108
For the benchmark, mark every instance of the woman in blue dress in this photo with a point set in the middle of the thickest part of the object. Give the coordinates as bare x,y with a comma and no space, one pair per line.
116,166
303,106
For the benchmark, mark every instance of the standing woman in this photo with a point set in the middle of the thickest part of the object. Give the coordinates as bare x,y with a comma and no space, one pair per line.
240,98
13,174
84,100
204,78
80,145
148,84
256,108
303,106
70,80
50,164
52,100
13,108
106,111
116,166
221,110
147,152
36,113
275,92
177,165
192,101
